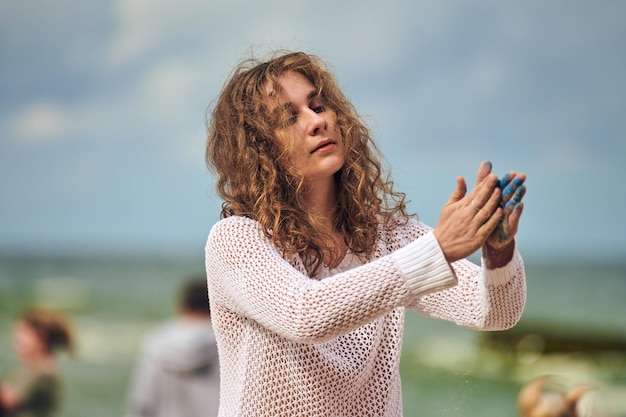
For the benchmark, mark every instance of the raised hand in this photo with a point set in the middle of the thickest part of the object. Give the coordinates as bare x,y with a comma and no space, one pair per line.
467,221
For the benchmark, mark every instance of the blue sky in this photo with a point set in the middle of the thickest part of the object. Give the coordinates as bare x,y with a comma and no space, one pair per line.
102,111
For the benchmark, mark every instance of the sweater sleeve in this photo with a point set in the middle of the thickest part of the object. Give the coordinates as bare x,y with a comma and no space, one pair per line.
484,299
248,276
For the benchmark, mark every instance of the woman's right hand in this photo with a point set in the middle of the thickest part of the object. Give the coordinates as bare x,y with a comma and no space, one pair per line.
467,220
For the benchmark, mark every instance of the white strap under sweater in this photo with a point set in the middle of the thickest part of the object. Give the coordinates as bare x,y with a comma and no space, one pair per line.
293,345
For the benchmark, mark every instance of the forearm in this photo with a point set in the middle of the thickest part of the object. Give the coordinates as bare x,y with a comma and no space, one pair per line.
484,299
506,294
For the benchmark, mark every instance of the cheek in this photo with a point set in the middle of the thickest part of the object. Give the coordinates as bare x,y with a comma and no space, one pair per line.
338,132
285,149
27,342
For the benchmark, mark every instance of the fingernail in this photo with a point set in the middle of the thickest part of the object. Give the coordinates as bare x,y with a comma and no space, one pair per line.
487,164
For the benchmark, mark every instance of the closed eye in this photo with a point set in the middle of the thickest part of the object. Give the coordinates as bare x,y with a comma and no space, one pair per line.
287,115
294,115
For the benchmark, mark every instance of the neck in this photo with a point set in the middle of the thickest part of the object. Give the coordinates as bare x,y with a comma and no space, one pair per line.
193,317
321,200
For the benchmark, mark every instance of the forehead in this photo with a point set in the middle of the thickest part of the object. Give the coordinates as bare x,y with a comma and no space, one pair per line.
289,86
24,327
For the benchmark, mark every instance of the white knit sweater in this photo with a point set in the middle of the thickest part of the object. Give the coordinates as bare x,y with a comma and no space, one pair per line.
294,345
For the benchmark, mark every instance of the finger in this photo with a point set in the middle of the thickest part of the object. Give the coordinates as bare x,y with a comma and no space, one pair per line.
459,191
515,216
506,179
516,198
490,225
510,189
510,222
484,169
502,234
483,191
485,212
494,200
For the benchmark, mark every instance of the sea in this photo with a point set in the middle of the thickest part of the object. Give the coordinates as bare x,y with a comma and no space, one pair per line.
446,370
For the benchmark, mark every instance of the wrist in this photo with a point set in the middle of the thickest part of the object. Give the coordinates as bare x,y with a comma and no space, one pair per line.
497,258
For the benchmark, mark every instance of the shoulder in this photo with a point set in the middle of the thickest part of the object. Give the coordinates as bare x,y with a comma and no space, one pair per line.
176,338
46,382
51,378
237,236
234,222
234,227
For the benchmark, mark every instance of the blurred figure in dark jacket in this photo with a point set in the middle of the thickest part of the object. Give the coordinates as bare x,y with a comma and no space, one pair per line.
33,388
177,372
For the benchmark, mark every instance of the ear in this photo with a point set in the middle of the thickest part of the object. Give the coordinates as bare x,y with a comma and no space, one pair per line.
529,396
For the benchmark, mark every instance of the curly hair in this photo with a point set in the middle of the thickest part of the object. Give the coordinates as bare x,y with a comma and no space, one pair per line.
242,152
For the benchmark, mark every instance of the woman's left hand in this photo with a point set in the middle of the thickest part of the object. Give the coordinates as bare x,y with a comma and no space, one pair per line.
498,249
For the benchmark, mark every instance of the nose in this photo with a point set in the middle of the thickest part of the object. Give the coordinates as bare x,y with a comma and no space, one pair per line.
317,123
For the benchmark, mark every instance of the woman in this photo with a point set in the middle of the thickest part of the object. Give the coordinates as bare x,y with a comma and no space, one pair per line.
34,389
315,259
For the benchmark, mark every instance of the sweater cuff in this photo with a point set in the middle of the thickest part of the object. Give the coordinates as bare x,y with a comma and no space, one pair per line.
424,266
502,275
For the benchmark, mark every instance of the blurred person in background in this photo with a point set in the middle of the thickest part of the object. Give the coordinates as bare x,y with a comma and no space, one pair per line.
539,399
177,372
34,387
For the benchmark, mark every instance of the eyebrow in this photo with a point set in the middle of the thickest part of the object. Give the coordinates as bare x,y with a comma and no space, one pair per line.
286,106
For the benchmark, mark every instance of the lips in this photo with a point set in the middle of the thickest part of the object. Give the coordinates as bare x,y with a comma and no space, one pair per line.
322,145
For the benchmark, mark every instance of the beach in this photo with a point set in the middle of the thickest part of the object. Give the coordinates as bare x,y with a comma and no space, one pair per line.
446,370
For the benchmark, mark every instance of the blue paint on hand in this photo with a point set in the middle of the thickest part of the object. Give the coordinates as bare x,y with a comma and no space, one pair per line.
511,191
504,181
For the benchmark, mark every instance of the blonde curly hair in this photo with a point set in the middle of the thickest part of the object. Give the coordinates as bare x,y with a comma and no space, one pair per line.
253,182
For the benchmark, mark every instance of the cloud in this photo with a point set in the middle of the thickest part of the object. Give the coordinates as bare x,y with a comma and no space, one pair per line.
168,89
41,121
140,25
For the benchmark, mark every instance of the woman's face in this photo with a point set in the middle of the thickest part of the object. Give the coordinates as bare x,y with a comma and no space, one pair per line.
26,342
307,130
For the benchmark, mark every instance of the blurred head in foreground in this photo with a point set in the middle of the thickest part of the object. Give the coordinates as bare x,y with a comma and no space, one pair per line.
535,400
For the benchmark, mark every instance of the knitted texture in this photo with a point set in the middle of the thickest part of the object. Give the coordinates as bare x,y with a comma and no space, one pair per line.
295,345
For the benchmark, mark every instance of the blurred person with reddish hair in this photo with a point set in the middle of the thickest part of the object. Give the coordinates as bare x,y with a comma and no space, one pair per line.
34,388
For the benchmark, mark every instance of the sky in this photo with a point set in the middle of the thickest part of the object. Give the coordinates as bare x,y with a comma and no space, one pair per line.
103,109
